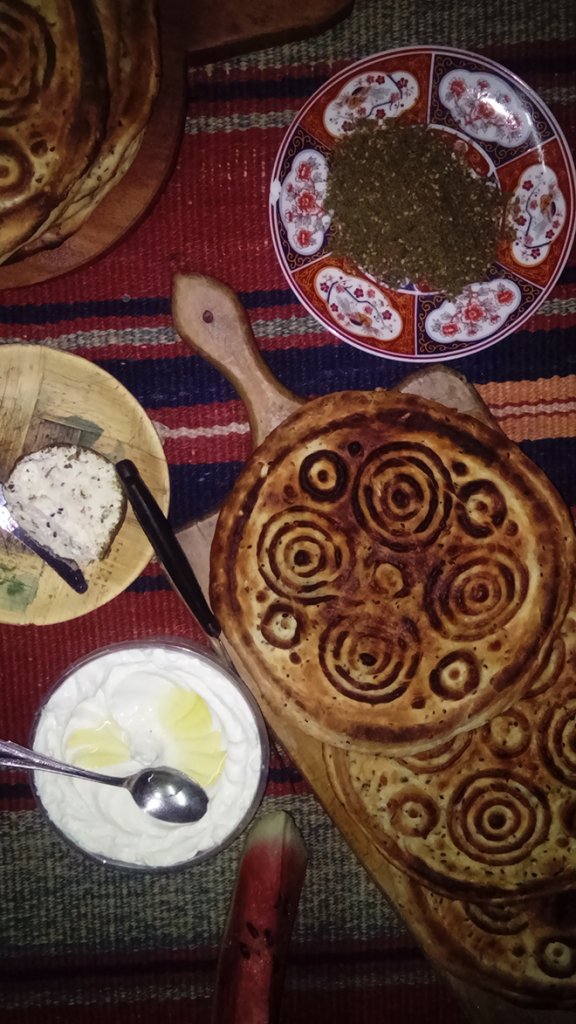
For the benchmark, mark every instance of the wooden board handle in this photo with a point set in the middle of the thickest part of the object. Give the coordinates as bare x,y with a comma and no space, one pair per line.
210,318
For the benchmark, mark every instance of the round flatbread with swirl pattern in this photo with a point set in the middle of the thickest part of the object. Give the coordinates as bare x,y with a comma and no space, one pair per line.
390,572
132,59
78,79
54,101
490,813
522,950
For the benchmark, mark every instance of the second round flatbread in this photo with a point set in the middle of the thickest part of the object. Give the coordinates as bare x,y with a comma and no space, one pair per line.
491,813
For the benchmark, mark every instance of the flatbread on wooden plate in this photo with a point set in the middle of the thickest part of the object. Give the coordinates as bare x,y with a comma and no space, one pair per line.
131,41
54,108
78,84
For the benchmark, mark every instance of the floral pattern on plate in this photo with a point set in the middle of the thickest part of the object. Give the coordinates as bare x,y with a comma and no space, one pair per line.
538,214
357,306
485,107
301,202
374,96
476,313
505,133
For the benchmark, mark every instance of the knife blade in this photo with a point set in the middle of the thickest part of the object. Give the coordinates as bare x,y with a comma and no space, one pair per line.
67,570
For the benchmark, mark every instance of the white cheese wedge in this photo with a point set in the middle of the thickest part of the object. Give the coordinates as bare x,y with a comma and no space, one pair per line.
69,499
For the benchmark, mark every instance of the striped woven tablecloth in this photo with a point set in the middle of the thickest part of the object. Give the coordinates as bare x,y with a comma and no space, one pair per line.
81,942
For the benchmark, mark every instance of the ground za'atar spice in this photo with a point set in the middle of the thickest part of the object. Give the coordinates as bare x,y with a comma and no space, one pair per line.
407,208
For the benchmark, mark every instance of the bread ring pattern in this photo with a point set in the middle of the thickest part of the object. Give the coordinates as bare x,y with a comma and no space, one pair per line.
497,819
524,951
476,593
368,660
402,496
423,564
303,553
27,53
504,799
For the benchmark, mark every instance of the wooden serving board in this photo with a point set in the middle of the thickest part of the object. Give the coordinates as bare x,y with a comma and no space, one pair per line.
192,32
51,397
209,317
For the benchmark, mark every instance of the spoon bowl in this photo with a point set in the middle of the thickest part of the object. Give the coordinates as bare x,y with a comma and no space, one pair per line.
163,793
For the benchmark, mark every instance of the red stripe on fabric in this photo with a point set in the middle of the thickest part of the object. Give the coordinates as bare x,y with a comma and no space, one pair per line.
206,416
231,444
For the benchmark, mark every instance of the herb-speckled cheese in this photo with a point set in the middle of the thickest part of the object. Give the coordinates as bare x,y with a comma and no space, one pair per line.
69,499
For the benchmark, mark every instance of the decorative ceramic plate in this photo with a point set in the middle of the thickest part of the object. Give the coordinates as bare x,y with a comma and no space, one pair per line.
49,397
508,136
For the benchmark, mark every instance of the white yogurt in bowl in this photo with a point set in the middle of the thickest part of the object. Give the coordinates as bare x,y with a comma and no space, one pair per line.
144,704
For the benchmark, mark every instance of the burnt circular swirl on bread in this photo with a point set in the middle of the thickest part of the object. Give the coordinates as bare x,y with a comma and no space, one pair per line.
504,794
365,511
413,813
507,735
369,660
281,625
27,56
497,918
522,950
557,737
456,675
16,170
402,495
474,592
497,818
323,475
303,553
556,958
481,508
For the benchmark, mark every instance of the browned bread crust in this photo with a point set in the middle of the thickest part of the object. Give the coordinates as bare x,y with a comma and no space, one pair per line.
492,813
522,950
54,108
77,86
132,61
390,572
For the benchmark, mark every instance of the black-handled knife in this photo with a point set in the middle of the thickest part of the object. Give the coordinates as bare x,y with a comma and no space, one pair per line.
66,569
166,546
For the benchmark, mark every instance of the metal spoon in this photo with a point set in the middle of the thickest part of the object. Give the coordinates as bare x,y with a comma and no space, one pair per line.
164,793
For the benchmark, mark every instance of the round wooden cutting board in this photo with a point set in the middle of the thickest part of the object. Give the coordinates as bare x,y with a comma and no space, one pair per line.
191,32
49,397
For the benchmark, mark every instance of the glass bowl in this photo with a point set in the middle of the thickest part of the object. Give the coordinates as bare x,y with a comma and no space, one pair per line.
133,705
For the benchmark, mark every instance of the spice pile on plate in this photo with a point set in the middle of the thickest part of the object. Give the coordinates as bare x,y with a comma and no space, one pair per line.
76,91
408,209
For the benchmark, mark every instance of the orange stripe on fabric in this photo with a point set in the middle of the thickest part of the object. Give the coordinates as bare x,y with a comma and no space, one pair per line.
528,410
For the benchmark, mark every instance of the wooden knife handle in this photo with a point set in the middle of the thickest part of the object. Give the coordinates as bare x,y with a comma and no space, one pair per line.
210,318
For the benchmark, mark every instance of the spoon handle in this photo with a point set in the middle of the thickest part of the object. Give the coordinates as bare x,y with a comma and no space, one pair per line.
12,755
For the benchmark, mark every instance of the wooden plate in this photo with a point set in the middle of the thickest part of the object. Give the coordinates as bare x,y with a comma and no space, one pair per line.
46,397
189,34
